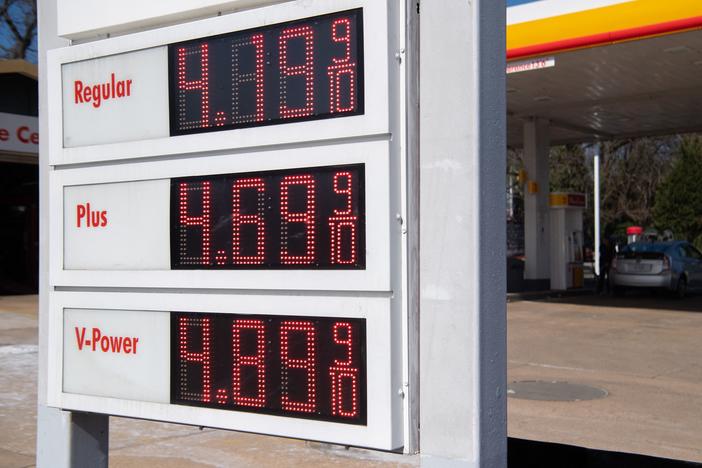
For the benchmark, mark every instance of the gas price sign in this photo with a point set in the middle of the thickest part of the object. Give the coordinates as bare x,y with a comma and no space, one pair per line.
253,278
305,367
289,72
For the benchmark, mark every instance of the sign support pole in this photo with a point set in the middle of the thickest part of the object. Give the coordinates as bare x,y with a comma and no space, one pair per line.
463,416
64,439
67,438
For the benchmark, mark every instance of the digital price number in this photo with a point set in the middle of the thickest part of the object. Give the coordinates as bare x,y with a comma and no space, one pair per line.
304,367
295,219
295,71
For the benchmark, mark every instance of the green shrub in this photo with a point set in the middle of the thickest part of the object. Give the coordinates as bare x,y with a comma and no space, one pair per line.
678,204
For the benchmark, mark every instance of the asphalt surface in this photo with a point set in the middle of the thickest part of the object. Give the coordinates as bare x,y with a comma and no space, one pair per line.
643,350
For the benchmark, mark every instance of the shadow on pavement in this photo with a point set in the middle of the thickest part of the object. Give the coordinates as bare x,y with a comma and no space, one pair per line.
644,299
531,454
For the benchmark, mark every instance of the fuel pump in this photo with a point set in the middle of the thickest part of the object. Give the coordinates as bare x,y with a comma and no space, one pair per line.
567,240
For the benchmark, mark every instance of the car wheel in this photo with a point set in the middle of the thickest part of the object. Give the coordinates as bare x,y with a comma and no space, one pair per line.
681,290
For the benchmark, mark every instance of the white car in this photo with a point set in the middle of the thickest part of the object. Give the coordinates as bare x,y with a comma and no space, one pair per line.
674,266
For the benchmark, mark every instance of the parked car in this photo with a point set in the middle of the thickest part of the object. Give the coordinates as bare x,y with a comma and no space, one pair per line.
674,266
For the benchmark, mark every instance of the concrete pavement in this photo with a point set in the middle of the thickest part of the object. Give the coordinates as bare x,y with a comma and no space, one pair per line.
643,350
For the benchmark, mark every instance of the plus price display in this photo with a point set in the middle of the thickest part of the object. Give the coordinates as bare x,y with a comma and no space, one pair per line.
303,367
289,72
291,219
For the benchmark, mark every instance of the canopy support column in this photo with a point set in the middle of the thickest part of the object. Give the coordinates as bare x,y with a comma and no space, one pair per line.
537,270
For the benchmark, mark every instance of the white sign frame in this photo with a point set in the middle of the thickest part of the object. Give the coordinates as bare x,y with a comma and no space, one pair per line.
375,277
127,15
375,122
377,138
384,404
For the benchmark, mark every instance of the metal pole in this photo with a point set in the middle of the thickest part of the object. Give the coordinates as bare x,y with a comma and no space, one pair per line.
596,205
462,277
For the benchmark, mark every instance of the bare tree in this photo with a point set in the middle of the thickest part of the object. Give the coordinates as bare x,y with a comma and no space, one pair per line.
632,172
18,29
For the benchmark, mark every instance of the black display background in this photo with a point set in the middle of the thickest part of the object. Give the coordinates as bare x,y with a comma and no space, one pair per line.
221,218
220,74
221,364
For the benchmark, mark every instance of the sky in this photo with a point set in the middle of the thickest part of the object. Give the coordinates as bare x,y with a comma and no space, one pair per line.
6,37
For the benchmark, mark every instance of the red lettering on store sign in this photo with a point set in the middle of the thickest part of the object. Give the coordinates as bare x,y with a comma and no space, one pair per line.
25,135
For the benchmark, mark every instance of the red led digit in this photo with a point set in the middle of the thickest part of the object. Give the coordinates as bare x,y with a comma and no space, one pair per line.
306,70
335,73
239,78
308,363
342,67
338,375
202,85
348,191
307,217
239,219
343,221
257,360
202,357
341,33
348,342
341,371
341,228
186,221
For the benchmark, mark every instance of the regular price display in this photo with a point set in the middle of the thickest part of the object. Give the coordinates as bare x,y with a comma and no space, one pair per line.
293,219
301,70
305,367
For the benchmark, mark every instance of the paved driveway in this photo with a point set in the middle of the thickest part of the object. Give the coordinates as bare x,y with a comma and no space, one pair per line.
644,350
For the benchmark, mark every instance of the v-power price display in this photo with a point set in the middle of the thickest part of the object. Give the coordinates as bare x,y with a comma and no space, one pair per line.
295,71
306,367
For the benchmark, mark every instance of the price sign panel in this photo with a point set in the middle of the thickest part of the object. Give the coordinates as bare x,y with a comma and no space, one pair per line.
225,247
309,367
296,219
295,71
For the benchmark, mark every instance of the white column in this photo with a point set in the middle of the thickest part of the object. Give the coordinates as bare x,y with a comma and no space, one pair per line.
64,439
559,248
536,208
596,205
462,280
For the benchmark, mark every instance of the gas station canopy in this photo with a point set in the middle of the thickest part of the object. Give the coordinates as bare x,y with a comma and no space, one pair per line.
620,68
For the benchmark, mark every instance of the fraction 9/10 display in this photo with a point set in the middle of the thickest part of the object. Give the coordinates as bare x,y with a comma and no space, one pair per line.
305,218
306,367
295,71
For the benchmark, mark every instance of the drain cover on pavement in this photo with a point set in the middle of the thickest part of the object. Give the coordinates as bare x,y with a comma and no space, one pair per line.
554,391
